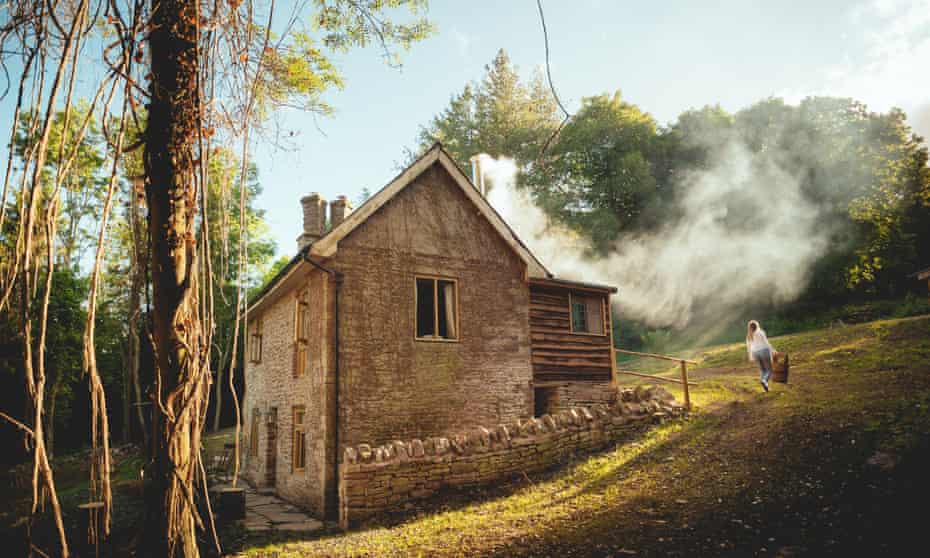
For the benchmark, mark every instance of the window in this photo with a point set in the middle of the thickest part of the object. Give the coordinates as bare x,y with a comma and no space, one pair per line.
302,317
587,312
301,328
437,309
255,341
300,359
299,440
253,434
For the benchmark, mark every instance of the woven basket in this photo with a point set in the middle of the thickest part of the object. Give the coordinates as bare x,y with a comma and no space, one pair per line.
780,366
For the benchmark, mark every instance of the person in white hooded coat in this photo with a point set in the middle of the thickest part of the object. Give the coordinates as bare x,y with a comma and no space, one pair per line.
760,351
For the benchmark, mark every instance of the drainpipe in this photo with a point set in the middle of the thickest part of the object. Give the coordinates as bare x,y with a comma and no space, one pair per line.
337,278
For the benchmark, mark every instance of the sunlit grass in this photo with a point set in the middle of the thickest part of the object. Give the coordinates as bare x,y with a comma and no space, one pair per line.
680,460
557,498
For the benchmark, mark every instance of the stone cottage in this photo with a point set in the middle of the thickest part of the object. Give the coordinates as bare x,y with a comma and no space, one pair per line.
420,313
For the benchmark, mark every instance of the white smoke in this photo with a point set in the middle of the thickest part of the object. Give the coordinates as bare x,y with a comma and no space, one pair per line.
742,234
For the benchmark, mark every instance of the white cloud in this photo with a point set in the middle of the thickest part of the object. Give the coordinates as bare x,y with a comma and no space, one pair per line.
895,68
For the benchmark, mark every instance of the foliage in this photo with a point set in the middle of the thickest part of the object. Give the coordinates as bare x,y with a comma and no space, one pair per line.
612,173
500,116
83,183
598,177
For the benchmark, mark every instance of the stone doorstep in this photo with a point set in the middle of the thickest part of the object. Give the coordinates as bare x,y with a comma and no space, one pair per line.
276,516
256,501
308,525
256,526
265,512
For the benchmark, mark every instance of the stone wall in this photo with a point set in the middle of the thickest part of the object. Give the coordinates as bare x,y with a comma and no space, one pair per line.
273,392
585,394
385,478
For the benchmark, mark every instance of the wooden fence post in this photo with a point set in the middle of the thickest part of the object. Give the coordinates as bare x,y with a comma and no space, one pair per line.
684,384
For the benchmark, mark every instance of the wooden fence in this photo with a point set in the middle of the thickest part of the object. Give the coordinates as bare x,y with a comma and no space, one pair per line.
684,371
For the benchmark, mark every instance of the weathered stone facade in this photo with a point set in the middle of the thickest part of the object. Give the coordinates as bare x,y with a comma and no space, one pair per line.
585,394
392,384
379,479
273,391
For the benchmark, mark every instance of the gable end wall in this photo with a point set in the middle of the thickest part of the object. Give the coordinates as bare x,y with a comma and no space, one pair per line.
393,385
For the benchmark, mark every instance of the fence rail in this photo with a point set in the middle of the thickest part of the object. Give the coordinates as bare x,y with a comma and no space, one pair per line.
684,371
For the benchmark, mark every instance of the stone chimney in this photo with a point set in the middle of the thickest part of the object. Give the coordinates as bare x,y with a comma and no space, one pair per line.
338,209
314,219
477,176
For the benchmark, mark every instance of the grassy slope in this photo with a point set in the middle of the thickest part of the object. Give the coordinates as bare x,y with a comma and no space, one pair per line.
780,474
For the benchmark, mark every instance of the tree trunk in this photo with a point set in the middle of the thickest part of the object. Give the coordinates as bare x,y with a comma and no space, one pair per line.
135,310
134,358
126,401
182,373
221,365
50,421
218,397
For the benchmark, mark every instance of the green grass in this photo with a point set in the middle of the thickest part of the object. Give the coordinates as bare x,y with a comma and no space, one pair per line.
746,467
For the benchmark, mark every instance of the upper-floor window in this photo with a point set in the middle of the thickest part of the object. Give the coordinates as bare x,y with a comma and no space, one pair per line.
301,335
302,317
437,302
255,340
587,313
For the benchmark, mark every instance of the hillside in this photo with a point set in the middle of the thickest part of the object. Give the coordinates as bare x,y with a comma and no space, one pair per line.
831,463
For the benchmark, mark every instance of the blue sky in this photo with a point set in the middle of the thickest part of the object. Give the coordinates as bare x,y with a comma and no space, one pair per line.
664,56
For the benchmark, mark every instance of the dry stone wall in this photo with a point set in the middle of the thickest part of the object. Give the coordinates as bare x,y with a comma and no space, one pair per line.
389,477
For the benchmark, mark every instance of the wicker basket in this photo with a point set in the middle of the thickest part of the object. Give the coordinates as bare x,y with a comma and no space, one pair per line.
780,366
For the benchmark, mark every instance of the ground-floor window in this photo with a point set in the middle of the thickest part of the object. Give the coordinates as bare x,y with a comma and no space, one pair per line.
253,434
299,439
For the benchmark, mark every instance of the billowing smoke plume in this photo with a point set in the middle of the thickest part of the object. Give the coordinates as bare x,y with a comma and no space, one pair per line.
742,235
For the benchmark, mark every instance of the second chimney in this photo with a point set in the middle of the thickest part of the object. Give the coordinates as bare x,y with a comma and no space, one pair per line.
314,219
338,209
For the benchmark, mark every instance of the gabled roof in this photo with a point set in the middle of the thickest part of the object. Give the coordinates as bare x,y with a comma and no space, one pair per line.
328,245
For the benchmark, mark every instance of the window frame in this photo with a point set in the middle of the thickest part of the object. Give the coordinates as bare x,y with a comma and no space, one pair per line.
301,339
571,321
255,340
254,433
301,304
298,432
455,287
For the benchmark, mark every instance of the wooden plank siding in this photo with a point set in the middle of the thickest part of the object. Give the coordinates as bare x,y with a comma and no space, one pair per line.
558,354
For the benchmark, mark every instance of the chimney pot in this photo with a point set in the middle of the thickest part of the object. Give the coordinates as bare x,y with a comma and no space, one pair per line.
477,177
314,208
338,209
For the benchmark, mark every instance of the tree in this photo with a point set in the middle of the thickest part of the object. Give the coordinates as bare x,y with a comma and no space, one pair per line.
200,73
83,179
66,319
499,116
598,176
226,236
